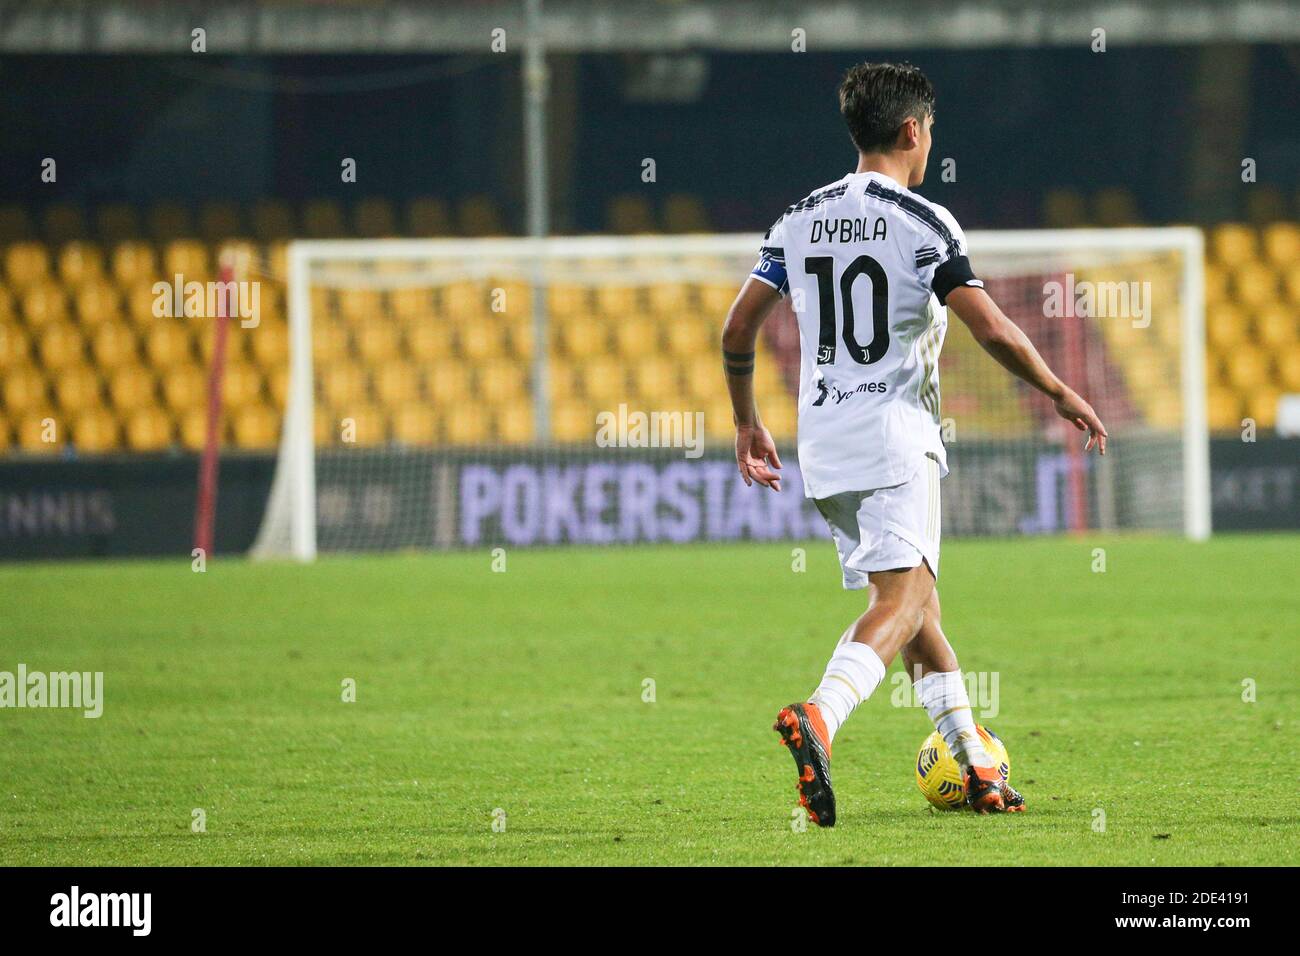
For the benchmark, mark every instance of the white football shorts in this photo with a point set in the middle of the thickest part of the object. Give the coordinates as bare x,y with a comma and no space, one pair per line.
886,528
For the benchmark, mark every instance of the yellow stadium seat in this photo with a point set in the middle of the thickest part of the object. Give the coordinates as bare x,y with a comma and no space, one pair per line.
429,339
60,346
41,433
482,339
1291,281
428,216
705,379
170,220
657,382
15,347
502,383
113,344
1282,243
1247,368
636,338
378,341
520,335
514,424
779,417
583,337
81,262
97,302
367,424
27,263
669,299
412,303
374,218
168,342
630,215
185,387
397,383
715,301
1224,408
23,389
1277,326
1261,405
1064,209
604,380
6,435
189,259
564,380
689,337
241,384
360,306
566,299
329,341
134,262
132,387
43,305
7,311
1115,206
343,384
219,220
255,426
323,219
269,343
1233,244
118,221
1254,285
448,384
464,301
573,421
415,425
479,216
718,421
468,425
1226,326
684,213
1288,369
148,428
77,388
95,430
15,224
273,219
141,303
1216,285
192,426
617,301
277,385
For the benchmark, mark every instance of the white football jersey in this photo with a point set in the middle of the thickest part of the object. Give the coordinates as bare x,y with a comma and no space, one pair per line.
868,265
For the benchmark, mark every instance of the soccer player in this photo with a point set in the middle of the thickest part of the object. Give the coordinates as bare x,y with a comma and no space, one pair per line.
869,266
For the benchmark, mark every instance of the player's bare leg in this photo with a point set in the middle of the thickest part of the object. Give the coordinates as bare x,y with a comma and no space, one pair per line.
932,666
854,672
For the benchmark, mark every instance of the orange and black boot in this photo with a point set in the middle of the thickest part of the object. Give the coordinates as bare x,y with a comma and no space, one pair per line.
803,731
987,792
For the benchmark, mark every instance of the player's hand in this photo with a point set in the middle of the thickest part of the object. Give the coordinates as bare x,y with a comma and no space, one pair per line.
1080,414
756,456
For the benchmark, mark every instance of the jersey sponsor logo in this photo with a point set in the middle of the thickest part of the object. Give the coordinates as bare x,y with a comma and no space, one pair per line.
847,230
838,395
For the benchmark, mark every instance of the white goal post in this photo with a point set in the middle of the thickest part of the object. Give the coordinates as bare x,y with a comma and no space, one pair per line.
1118,312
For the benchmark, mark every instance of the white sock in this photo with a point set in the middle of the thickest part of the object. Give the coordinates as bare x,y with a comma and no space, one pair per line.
853,673
943,694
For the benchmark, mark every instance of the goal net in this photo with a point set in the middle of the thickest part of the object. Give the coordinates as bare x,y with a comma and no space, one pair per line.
514,392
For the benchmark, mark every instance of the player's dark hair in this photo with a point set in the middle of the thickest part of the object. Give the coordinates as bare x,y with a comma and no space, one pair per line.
876,99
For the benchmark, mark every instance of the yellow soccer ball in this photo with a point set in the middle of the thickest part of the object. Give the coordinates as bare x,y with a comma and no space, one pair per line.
939,777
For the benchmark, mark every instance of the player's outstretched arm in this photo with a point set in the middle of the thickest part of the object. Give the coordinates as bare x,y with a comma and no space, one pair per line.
755,451
1007,343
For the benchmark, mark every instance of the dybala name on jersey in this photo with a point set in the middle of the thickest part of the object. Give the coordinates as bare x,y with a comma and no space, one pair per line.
846,230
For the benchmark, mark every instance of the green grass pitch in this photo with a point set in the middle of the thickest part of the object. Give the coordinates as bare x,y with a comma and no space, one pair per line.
1121,693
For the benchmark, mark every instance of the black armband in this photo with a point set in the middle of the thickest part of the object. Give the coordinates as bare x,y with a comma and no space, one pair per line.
949,275
738,363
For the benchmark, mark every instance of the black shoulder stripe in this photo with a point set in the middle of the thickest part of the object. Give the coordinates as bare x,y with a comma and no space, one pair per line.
918,211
